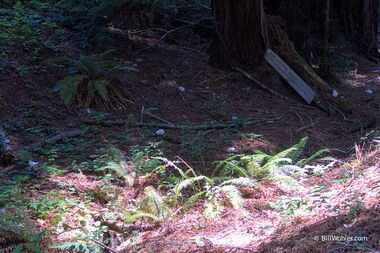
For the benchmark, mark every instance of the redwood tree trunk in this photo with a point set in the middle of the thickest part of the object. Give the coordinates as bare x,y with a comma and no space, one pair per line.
359,18
240,32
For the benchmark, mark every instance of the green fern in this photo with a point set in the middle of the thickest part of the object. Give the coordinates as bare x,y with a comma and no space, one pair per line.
190,201
241,181
73,246
187,182
298,149
212,209
94,82
68,87
152,205
233,195
226,165
261,165
312,158
100,86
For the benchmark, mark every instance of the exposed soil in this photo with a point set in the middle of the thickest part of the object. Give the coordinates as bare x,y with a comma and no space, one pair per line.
214,96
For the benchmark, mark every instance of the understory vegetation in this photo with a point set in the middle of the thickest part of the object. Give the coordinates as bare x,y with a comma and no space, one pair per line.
100,190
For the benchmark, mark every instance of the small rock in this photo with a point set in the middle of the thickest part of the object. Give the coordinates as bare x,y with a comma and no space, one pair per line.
368,91
181,89
6,141
160,132
32,164
231,150
88,110
335,93
234,119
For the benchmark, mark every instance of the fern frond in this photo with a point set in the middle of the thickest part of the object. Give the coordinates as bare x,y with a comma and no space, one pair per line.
275,162
233,195
298,149
153,203
240,171
212,209
286,180
68,87
186,206
75,246
241,181
100,86
230,161
187,182
289,170
259,158
312,158
170,163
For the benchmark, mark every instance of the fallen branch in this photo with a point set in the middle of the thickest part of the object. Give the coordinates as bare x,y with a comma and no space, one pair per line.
158,118
264,87
104,246
173,126
307,126
176,29
55,138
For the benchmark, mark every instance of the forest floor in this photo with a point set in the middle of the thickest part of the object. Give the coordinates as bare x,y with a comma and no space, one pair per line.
72,190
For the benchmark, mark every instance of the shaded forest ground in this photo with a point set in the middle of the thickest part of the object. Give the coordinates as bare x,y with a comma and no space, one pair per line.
67,194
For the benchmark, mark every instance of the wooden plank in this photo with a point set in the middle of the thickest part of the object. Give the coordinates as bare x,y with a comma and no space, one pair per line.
290,76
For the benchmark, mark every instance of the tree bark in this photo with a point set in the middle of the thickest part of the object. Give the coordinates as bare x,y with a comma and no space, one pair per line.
240,32
359,18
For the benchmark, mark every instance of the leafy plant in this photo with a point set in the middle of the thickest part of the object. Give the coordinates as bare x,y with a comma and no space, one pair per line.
288,206
262,165
217,191
32,244
92,19
16,227
152,206
75,246
92,82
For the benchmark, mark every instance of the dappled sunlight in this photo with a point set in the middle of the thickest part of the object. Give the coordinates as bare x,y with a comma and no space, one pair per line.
156,126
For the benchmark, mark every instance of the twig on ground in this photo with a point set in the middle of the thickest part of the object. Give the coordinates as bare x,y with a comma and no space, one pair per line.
183,98
146,30
307,126
300,118
104,246
176,29
159,118
55,138
264,87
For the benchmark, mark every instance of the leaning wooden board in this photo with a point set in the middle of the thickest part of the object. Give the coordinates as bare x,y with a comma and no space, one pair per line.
290,76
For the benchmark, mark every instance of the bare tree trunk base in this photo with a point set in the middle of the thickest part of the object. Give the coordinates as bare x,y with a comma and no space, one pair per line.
283,46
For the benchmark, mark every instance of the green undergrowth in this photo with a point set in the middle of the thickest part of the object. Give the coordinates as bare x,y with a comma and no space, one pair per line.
24,31
159,189
94,21
163,191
